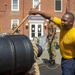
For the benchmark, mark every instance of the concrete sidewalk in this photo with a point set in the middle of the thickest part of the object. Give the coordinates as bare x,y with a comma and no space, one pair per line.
45,55
45,69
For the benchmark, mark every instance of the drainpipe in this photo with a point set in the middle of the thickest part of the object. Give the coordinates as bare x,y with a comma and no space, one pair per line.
68,6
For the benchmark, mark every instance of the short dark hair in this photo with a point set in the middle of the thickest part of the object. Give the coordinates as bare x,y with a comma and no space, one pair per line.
71,15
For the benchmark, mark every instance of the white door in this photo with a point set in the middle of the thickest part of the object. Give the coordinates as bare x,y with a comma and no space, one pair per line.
36,30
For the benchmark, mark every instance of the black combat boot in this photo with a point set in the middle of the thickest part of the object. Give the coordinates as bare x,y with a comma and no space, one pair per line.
52,63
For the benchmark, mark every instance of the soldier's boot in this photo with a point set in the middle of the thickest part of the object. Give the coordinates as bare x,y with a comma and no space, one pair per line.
51,62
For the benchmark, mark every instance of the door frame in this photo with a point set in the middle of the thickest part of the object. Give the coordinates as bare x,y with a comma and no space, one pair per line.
35,22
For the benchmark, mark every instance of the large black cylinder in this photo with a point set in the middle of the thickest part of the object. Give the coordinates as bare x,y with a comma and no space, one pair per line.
40,50
16,54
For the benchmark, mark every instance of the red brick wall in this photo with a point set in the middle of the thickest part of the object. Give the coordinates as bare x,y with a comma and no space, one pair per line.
25,5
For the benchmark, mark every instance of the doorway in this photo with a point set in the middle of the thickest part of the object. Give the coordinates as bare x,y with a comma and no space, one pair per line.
36,30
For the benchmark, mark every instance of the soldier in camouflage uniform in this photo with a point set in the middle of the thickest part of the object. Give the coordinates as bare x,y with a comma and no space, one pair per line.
14,26
51,40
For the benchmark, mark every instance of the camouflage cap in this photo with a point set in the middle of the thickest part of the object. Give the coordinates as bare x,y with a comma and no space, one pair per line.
14,24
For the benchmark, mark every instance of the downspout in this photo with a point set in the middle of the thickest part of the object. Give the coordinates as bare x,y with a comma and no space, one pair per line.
68,5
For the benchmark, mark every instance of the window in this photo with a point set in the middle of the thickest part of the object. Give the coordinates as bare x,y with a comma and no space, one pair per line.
58,5
14,5
35,3
14,21
33,31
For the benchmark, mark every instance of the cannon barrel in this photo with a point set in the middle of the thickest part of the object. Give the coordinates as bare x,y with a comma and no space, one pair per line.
16,54
40,50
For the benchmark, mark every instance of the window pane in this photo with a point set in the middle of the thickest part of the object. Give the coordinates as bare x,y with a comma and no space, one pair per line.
58,5
33,35
15,7
15,4
36,0
14,1
35,3
33,31
39,34
39,30
15,20
33,28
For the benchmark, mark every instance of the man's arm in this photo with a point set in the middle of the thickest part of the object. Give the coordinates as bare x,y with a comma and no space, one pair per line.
52,37
55,20
43,14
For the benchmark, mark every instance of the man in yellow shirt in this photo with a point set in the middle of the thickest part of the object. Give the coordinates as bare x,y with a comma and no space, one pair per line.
67,39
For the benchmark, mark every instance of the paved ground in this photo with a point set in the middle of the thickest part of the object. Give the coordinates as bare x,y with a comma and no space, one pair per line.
45,56
45,69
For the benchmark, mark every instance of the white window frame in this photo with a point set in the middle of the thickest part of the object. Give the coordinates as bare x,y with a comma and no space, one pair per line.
14,21
55,7
34,3
12,6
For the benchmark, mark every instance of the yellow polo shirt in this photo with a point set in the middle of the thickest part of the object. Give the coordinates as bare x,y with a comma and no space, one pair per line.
67,40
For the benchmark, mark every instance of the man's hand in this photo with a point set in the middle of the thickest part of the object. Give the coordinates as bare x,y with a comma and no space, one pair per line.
33,11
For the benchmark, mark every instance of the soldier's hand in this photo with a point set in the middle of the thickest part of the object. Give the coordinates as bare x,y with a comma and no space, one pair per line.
50,41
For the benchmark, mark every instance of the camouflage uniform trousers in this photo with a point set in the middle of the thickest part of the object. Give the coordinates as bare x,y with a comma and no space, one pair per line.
52,49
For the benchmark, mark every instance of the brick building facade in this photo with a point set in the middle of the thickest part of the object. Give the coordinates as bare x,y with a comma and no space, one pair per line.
16,10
